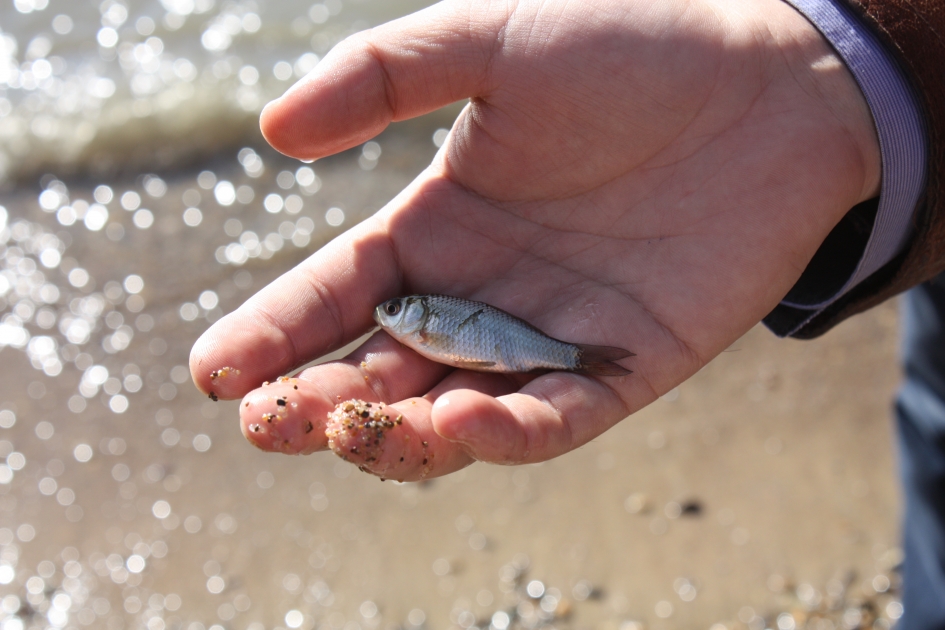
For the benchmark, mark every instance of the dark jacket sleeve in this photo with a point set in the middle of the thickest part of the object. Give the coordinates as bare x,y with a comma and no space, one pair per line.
914,32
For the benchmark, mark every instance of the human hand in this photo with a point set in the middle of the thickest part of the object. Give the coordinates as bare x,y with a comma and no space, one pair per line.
648,175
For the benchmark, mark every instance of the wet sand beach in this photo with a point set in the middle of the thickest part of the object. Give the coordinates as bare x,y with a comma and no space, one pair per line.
760,494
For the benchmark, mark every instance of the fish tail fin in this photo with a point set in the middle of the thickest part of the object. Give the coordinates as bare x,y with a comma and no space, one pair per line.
599,360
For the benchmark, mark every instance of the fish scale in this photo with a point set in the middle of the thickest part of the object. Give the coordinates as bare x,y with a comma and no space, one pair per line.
477,336
477,332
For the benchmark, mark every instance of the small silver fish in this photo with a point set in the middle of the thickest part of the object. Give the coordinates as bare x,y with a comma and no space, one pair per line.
476,336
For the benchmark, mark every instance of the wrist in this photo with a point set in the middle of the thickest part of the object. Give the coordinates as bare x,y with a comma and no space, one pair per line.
812,66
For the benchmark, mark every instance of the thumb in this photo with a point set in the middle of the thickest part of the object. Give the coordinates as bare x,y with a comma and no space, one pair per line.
402,69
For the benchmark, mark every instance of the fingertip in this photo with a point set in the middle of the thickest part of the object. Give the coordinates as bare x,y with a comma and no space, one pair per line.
293,124
268,119
392,72
485,427
202,355
278,123
213,379
392,442
446,422
277,418
338,105
197,353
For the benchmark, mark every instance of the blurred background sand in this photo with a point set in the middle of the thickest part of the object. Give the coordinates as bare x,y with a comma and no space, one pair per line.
140,204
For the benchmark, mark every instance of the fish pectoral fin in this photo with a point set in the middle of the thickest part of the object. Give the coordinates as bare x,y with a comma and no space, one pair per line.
469,321
475,365
432,338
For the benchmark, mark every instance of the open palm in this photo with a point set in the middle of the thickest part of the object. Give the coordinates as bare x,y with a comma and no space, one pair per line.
653,176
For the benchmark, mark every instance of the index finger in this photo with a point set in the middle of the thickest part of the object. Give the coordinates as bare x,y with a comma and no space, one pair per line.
315,308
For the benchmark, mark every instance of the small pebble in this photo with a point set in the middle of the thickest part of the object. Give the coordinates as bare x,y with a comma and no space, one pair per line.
223,373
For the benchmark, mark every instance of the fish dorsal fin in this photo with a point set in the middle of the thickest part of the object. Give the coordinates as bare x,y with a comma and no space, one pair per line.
599,360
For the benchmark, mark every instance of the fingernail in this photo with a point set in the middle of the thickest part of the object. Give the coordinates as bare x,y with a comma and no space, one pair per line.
467,431
442,401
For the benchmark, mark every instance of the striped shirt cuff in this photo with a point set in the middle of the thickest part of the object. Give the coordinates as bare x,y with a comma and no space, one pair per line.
901,132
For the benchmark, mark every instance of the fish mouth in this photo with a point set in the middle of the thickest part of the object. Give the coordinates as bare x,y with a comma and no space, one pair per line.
377,315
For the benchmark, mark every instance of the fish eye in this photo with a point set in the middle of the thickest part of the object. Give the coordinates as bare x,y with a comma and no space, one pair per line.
392,308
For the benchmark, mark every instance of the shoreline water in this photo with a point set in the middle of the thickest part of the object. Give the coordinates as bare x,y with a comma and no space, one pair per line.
138,84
